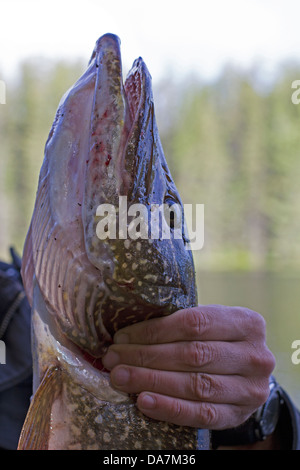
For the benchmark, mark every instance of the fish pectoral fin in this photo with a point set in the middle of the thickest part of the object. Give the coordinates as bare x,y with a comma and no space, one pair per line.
36,428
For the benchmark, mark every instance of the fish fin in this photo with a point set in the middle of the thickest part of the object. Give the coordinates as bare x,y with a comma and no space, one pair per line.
36,427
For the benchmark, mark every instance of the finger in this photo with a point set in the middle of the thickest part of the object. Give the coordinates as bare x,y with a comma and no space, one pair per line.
191,413
192,386
205,322
215,357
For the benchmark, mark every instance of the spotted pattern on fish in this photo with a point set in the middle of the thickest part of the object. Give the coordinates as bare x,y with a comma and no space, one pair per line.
119,427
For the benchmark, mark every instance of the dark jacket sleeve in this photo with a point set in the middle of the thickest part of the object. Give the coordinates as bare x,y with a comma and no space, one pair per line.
289,424
16,371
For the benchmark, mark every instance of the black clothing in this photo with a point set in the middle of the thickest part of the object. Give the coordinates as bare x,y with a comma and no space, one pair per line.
16,372
289,424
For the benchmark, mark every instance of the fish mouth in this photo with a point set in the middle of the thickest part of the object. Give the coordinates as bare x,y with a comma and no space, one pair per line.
114,128
115,153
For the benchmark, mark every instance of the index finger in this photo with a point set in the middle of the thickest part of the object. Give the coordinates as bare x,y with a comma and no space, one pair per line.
204,322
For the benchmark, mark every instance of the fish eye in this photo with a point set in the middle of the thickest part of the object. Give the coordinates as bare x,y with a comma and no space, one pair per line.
172,218
173,214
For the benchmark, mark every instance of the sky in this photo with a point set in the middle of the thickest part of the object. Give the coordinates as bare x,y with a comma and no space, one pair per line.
173,37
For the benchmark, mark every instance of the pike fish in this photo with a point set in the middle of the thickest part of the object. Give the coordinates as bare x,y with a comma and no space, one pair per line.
103,144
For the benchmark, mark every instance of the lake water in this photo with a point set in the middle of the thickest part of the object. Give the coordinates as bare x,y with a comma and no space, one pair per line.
277,298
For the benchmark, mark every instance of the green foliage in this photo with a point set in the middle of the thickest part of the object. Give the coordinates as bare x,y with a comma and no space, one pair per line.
231,144
236,148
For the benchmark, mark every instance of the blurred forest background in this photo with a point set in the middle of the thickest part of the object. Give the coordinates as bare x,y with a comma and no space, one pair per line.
232,144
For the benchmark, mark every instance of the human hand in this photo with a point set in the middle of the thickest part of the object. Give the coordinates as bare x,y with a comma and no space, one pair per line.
205,367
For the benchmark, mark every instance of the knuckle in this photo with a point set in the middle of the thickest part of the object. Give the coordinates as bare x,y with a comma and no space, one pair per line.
199,353
142,359
259,324
261,392
255,324
251,323
258,391
201,386
150,332
238,416
195,322
262,360
153,380
207,415
176,411
254,358
269,362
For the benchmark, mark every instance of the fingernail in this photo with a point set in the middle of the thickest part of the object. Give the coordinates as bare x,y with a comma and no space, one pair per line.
147,402
121,376
121,338
110,360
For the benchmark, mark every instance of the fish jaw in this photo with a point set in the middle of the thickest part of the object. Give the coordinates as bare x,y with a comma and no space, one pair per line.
105,177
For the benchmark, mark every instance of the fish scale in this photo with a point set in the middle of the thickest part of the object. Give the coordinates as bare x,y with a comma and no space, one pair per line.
103,144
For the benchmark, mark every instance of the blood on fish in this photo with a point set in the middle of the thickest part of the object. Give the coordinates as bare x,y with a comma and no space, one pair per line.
94,361
108,160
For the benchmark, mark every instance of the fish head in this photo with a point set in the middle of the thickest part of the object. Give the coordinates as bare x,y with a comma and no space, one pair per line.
113,234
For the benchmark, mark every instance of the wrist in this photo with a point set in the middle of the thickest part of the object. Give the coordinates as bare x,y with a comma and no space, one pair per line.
258,429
